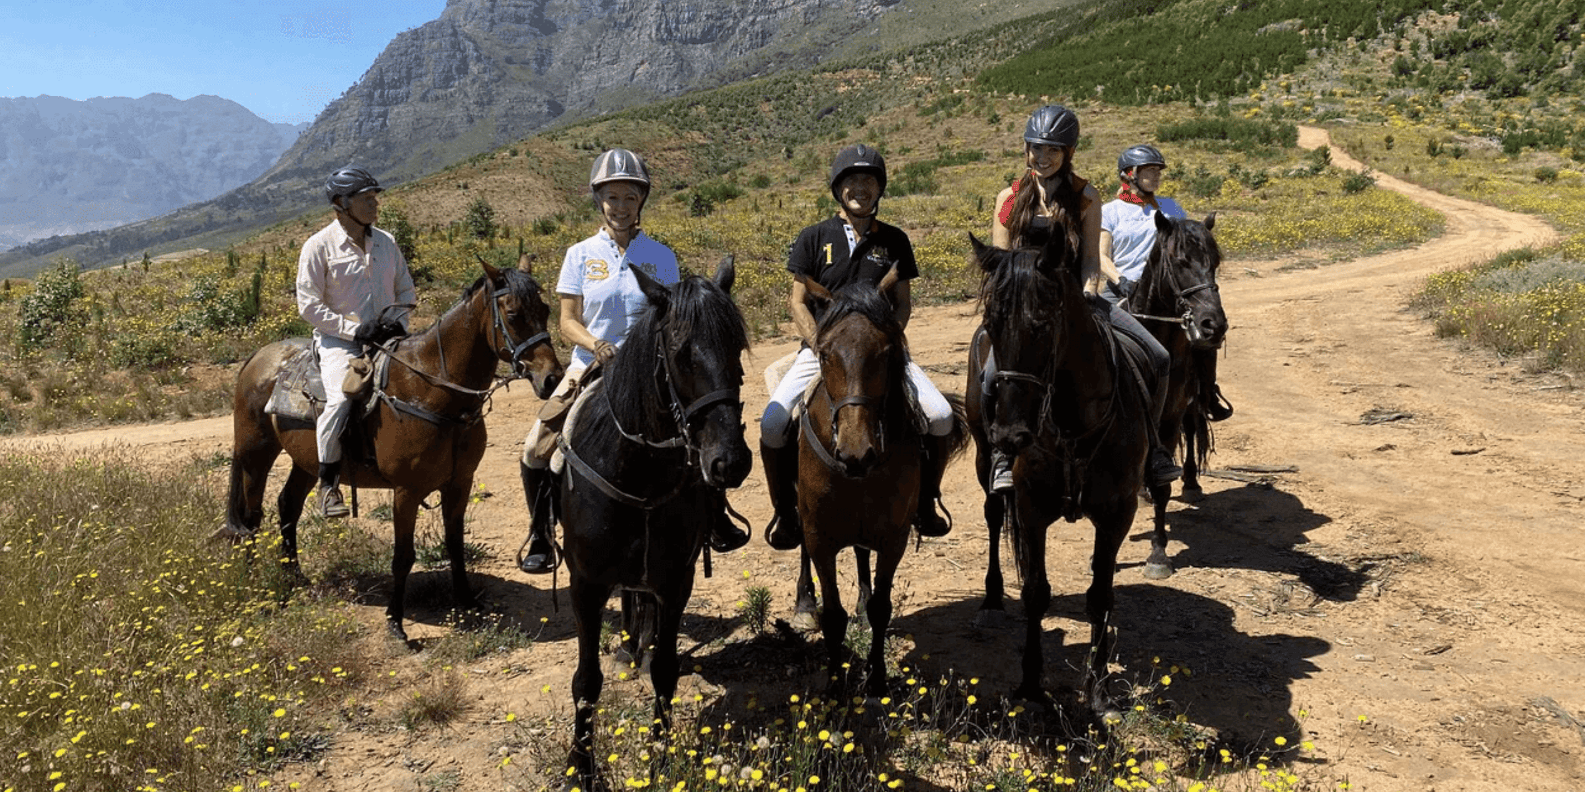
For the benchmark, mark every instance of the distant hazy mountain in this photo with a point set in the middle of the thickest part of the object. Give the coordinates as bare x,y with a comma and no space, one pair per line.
68,166
485,73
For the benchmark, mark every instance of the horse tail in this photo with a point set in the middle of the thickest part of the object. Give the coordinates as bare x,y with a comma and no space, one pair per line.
958,439
236,525
1197,435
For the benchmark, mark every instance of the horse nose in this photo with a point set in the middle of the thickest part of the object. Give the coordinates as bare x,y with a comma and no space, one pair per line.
728,471
547,384
1011,440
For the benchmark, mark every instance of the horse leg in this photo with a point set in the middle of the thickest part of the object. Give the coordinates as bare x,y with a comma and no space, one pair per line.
1110,531
404,517
1195,432
638,629
833,620
1158,566
289,504
861,559
993,609
804,617
879,610
453,510
663,665
1036,596
588,600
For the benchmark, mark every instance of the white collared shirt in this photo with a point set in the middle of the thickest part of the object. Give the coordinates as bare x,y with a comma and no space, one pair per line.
340,286
602,275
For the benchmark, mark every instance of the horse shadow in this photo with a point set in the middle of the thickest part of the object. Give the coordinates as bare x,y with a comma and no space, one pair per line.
1258,527
1235,685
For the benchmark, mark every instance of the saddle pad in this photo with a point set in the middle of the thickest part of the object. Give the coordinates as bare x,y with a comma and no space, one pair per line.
299,392
558,461
778,370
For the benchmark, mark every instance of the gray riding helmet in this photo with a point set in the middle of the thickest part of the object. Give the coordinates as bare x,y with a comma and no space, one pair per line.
1053,125
618,164
1135,156
857,158
350,182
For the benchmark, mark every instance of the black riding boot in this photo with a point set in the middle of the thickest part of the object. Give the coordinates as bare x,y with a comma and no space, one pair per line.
785,532
539,489
725,536
1217,407
331,504
932,466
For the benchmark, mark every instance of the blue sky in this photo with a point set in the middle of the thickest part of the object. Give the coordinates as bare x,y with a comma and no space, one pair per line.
283,60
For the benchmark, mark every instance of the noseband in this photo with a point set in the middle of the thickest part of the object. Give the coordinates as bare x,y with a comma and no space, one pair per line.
514,350
1180,300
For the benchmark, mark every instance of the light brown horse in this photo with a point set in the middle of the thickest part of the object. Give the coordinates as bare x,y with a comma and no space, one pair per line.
427,433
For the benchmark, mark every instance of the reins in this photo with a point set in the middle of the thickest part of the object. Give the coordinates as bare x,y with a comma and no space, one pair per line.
514,351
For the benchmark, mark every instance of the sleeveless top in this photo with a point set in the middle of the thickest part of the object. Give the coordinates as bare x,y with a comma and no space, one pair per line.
1040,227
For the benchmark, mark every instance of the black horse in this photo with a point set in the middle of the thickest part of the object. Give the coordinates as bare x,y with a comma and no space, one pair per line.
647,460
1178,299
1065,408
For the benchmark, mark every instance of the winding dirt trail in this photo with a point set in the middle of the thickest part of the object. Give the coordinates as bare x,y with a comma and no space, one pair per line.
1423,572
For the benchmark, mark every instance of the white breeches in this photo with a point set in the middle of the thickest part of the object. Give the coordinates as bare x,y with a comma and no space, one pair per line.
775,424
334,356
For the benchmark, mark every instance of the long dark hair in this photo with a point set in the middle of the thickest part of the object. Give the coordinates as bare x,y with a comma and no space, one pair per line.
1063,206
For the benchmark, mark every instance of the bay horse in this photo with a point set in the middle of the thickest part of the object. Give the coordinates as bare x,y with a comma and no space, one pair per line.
1179,301
427,432
859,462
647,460
1071,417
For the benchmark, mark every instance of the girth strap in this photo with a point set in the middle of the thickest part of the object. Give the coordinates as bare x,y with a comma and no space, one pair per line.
600,483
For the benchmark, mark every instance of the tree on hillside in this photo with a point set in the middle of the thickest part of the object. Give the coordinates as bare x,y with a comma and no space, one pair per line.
47,310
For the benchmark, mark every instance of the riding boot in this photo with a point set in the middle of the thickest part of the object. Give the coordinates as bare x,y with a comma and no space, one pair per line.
932,466
539,489
785,532
1217,407
331,503
725,536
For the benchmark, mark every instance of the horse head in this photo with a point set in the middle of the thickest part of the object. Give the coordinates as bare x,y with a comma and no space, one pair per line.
700,339
1027,297
519,317
1180,279
862,354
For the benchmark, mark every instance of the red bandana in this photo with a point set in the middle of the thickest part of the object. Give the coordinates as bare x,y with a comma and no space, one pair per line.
1129,196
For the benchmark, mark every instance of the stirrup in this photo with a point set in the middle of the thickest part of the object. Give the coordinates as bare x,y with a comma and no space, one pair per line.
331,504
1001,473
782,535
1219,409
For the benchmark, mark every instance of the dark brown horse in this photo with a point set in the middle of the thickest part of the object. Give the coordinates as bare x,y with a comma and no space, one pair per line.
647,460
1074,422
427,433
1178,300
859,462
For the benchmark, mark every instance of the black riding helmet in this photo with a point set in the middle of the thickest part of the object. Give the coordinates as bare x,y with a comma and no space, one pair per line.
1137,156
349,182
857,158
1053,125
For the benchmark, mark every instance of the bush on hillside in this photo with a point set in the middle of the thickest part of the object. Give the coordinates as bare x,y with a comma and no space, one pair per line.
48,311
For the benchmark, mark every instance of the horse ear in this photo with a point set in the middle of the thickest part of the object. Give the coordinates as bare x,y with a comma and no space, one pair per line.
982,253
657,294
726,273
490,272
525,263
1210,221
814,293
1163,223
888,281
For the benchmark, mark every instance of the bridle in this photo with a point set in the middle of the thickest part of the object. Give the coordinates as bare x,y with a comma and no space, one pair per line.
806,426
1180,298
683,414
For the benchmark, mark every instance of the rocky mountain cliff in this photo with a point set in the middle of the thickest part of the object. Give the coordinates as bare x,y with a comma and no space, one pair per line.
68,166
485,73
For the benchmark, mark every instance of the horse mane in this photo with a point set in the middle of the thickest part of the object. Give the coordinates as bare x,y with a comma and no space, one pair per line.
519,284
696,310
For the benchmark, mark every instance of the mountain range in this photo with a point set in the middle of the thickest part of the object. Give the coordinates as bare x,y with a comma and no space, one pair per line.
70,166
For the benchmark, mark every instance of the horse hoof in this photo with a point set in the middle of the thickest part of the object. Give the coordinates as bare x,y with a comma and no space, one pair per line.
805,622
394,627
988,619
1191,494
1157,571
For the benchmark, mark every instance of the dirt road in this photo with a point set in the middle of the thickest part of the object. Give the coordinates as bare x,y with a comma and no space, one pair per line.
1420,572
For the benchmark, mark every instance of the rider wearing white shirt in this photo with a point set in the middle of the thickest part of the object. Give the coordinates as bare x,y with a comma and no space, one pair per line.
1128,232
600,301
347,275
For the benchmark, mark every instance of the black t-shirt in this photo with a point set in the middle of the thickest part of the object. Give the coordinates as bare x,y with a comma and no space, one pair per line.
821,254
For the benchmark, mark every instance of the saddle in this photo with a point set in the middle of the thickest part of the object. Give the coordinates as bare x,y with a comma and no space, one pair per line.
299,393
561,415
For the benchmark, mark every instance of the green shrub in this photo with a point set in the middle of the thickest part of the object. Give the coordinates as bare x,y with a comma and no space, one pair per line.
480,219
49,310
1358,182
